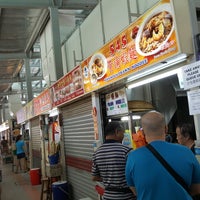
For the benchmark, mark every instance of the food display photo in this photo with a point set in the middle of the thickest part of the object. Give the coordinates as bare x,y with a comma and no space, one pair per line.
155,31
97,67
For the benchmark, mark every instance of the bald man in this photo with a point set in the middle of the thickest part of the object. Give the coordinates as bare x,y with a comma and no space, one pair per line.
148,178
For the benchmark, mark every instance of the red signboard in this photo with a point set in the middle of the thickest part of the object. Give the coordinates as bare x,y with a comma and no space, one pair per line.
68,87
42,103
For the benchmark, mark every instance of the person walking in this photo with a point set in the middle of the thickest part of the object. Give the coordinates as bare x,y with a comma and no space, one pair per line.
4,146
20,152
145,174
186,135
109,164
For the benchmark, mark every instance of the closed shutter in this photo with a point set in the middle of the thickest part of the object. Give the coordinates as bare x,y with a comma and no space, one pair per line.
36,143
78,141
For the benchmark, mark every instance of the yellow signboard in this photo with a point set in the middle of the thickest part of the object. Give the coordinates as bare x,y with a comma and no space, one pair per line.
149,40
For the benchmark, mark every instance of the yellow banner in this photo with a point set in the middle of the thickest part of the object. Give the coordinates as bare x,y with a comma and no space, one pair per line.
149,40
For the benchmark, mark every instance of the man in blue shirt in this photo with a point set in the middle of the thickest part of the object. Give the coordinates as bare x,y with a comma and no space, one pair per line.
148,178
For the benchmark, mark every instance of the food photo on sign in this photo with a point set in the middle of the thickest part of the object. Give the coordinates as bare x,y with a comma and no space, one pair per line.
97,67
155,31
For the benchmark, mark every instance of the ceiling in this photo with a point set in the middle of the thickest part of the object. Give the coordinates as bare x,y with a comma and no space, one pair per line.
21,22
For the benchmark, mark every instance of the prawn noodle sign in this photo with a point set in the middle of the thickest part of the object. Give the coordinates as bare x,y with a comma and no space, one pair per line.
152,38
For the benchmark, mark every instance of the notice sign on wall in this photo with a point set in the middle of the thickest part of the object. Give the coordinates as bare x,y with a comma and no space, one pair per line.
191,75
116,102
193,101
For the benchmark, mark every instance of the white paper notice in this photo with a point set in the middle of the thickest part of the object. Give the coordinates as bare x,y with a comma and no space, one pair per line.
191,75
194,101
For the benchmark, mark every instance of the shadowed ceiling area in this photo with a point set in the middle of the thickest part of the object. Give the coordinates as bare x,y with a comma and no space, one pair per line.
21,23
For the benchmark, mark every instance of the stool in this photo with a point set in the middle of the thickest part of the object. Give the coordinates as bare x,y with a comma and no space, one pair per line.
46,188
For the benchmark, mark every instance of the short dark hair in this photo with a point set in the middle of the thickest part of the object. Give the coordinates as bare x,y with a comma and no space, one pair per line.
111,127
188,130
18,138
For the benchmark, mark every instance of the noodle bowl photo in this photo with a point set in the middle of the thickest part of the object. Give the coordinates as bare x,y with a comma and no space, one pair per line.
155,31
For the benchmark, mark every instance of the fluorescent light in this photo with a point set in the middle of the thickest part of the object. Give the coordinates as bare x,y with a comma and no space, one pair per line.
53,112
154,78
4,126
134,117
160,66
125,118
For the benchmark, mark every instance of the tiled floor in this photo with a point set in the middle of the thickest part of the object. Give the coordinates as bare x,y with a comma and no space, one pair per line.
17,186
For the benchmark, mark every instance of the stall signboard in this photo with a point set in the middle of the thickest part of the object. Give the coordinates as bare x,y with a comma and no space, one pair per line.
42,103
68,87
191,75
193,101
29,110
152,38
21,115
116,103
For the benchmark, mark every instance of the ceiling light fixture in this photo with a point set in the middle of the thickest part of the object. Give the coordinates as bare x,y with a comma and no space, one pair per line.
160,66
155,78
137,78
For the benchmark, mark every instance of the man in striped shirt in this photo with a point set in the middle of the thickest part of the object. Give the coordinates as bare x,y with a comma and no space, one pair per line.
109,162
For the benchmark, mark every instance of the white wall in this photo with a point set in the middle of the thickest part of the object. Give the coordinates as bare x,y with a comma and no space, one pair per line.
73,44
115,17
97,29
91,33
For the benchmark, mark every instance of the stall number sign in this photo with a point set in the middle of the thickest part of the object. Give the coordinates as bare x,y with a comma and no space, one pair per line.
191,75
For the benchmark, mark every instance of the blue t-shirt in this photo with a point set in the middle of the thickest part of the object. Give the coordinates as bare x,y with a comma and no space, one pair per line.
152,181
19,146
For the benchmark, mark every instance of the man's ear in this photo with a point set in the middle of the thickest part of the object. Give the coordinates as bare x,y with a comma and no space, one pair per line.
142,131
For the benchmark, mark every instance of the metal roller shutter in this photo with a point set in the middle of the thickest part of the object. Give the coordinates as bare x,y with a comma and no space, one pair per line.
78,140
36,143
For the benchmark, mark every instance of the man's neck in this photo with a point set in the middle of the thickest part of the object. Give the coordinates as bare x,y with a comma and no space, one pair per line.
190,143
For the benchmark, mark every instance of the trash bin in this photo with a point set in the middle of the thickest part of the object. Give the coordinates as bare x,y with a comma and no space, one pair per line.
35,176
60,190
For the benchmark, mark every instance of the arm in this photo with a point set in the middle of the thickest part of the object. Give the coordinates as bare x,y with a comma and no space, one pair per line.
97,178
195,189
133,190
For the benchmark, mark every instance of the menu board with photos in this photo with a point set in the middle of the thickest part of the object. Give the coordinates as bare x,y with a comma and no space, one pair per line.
116,102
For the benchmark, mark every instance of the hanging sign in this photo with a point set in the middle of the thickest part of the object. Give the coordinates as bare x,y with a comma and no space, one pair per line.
29,109
42,103
193,101
21,115
150,39
191,75
68,87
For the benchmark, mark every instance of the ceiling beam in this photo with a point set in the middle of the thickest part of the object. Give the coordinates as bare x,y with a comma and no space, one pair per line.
38,90
12,56
26,4
16,56
64,4
41,23
18,79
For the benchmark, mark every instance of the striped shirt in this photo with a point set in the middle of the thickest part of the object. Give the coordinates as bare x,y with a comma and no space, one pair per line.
109,163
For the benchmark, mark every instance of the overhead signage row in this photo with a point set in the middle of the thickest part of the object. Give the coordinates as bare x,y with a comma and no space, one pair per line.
152,38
